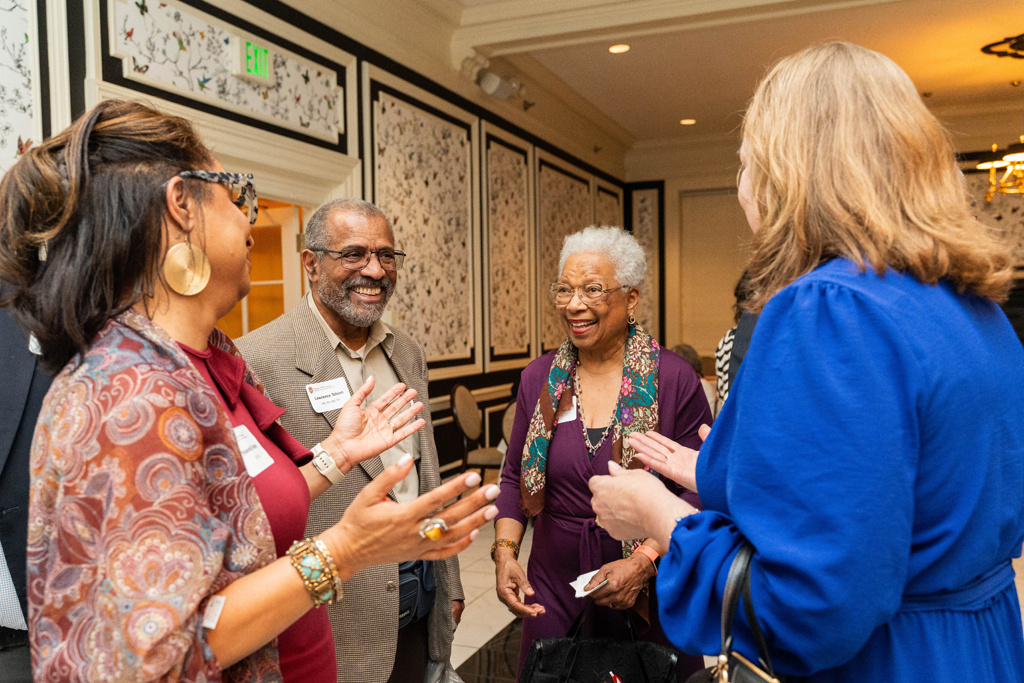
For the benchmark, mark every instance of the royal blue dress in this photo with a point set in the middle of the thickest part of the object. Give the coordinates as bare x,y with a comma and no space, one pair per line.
872,450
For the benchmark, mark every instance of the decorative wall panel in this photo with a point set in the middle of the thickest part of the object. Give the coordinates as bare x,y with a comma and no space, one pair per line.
423,184
1004,212
565,207
177,48
645,229
16,65
507,228
609,208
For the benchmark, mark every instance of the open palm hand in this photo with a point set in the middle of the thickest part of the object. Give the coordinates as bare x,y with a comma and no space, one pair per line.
361,433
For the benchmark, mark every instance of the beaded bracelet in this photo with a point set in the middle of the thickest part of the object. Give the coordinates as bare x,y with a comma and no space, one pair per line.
505,543
316,568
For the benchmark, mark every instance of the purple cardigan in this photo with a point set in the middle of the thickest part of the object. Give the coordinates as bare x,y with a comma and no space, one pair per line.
682,408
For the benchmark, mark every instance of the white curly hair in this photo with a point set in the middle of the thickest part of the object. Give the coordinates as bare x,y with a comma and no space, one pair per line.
616,245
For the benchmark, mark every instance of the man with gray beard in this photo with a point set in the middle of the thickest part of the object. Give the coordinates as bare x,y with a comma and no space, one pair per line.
392,618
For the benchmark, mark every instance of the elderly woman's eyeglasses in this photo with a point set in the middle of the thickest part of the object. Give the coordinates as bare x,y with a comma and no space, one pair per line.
357,258
591,294
241,186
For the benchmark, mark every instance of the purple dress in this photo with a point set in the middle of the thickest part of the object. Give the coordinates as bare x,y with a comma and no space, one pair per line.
566,540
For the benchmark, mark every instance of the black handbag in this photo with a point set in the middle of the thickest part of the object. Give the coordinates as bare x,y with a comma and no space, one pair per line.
575,659
732,667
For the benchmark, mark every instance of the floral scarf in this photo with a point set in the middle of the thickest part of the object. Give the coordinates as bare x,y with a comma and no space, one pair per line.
637,411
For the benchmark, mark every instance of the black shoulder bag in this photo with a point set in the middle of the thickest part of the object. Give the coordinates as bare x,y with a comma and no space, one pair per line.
733,667
576,659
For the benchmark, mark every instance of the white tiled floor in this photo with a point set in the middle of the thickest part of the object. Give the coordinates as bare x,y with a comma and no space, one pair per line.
485,615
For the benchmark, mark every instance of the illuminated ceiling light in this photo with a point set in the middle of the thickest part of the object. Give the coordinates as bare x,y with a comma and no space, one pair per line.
618,49
688,122
1012,181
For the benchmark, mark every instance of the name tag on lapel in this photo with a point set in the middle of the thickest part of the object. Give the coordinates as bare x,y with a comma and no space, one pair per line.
329,395
254,455
570,414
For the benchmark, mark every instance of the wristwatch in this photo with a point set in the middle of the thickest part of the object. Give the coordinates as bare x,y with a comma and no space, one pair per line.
325,465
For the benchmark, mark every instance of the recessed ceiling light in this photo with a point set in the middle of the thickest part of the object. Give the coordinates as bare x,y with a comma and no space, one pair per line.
618,49
688,122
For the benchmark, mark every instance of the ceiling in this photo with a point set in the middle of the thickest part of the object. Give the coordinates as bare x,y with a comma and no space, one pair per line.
708,73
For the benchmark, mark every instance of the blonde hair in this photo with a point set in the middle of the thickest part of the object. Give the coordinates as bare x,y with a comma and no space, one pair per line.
844,160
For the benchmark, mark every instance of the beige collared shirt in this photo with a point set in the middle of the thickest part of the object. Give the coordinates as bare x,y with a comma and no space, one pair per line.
373,359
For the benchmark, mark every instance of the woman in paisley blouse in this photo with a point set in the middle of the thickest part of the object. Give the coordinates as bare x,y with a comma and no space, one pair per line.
576,405
163,492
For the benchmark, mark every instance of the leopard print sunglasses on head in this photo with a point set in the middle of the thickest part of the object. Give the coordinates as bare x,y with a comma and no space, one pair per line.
242,187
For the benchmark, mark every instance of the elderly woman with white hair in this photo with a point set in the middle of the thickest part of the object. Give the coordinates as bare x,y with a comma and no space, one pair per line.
575,408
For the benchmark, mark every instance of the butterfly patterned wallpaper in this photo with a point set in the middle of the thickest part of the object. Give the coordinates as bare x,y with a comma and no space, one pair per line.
609,209
565,207
1005,212
178,49
507,226
423,184
645,229
16,109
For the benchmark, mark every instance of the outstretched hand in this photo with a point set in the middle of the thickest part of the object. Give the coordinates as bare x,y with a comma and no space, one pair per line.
376,530
665,456
361,433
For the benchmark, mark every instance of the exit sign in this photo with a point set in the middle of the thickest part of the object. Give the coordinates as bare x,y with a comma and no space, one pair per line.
251,61
256,60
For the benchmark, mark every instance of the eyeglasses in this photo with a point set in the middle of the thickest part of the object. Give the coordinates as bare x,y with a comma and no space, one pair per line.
242,187
357,258
591,294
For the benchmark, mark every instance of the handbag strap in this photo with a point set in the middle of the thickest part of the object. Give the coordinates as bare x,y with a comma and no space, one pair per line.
576,633
737,585
755,628
738,573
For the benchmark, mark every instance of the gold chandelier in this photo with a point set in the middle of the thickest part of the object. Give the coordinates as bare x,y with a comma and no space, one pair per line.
1012,160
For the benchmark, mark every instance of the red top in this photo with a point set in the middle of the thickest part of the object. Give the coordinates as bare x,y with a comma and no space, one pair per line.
306,647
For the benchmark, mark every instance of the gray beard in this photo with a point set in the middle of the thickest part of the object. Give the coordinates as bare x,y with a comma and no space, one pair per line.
337,298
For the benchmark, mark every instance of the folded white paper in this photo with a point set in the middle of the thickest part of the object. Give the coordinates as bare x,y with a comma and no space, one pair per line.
581,581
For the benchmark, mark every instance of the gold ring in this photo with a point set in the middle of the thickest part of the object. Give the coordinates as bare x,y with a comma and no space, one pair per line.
393,428
433,528
597,521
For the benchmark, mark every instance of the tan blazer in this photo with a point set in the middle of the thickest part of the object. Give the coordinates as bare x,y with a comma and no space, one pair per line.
287,354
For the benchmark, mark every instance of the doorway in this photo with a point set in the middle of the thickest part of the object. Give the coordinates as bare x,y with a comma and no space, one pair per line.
276,278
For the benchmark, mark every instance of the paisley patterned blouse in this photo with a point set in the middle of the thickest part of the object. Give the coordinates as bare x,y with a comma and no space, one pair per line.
140,509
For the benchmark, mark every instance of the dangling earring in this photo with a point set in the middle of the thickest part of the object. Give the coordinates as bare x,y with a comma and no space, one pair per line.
186,269
631,320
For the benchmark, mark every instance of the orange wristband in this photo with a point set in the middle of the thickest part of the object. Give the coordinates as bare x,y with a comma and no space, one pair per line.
649,552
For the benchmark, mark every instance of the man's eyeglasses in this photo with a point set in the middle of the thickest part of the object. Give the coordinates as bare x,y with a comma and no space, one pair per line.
357,258
591,294
242,187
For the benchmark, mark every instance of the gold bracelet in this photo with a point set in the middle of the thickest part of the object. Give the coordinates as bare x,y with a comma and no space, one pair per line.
316,568
505,543
330,565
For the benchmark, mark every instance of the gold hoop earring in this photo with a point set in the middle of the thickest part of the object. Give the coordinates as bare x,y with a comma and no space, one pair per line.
186,269
631,320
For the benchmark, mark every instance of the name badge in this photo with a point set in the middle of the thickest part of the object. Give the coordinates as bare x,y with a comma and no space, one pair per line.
570,414
329,395
254,455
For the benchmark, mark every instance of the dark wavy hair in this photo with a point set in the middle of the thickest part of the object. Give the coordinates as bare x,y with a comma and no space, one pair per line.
82,221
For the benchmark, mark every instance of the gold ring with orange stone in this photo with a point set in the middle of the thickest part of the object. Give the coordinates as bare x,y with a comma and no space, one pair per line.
433,528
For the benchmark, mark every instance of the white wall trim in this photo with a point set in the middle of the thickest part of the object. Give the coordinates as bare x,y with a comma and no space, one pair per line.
285,169
524,25
58,64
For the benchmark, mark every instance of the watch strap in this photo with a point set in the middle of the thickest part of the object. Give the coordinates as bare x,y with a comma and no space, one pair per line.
325,465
